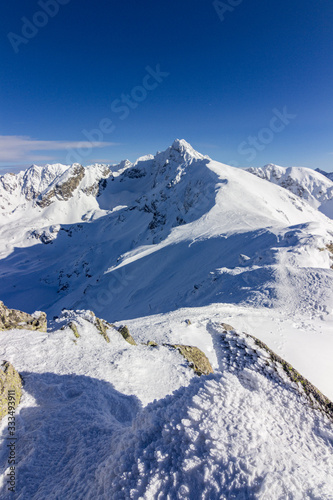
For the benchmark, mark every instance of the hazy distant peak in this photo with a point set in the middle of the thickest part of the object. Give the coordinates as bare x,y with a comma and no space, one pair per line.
329,175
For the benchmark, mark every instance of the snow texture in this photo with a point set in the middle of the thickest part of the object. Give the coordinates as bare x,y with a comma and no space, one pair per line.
315,186
171,245
116,421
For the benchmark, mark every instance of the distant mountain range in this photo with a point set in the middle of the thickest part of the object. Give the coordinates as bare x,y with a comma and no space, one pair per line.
205,263
179,228
329,175
314,186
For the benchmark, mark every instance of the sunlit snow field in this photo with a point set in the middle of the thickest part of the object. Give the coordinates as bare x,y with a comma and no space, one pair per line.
170,238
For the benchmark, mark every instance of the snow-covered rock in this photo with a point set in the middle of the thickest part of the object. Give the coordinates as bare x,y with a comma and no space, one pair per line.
13,319
311,185
111,420
177,247
172,230
10,390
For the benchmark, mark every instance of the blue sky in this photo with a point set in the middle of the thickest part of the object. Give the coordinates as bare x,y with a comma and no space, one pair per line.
245,81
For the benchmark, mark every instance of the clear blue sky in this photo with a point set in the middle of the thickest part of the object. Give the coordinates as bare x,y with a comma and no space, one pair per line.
229,74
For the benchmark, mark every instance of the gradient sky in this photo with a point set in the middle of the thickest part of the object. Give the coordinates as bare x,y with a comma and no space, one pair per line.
225,77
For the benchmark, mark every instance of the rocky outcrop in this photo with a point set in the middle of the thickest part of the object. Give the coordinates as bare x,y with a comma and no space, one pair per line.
239,342
226,327
63,191
152,343
10,389
329,247
74,329
12,318
102,327
124,332
196,358
46,235
316,398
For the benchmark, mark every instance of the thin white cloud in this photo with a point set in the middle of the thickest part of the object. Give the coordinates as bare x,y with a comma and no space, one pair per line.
15,148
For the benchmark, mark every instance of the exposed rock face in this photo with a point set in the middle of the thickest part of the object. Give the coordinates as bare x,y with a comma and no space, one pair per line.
227,328
316,398
123,330
152,343
12,318
102,327
10,388
197,359
329,247
46,235
73,327
64,190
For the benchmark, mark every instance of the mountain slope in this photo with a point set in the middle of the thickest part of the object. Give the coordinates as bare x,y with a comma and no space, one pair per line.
111,420
176,245
169,231
310,185
329,175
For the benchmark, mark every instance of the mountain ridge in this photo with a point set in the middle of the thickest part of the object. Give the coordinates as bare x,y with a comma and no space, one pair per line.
177,247
114,227
310,185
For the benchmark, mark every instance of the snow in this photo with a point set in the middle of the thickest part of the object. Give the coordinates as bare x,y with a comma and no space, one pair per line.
118,421
329,175
315,186
169,238
306,343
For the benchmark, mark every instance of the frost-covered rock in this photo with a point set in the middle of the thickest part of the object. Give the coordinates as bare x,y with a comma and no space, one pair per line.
46,235
124,332
10,389
13,319
73,327
63,188
196,358
310,185
227,327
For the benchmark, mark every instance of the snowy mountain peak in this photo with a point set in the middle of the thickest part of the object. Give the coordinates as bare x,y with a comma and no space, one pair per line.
177,247
181,145
185,149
